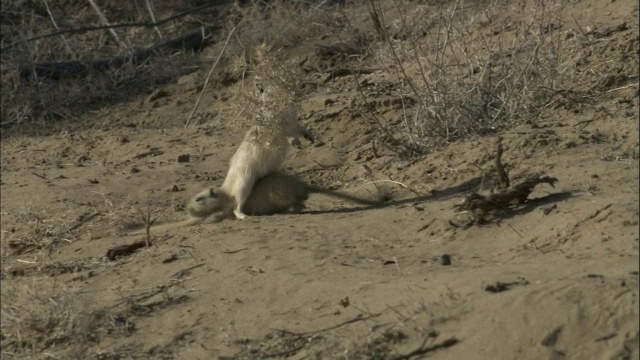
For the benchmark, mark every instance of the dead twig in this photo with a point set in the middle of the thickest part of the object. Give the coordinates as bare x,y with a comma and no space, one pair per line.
126,249
358,318
425,350
233,251
152,14
184,272
84,29
40,176
148,221
83,219
105,21
481,205
206,81
55,25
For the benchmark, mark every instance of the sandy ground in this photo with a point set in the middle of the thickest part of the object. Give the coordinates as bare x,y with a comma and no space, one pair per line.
556,278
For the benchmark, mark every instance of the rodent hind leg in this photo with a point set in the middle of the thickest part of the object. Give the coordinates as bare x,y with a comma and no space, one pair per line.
241,198
239,214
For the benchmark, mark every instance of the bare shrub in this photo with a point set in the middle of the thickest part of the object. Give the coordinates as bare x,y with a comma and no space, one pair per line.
469,69
29,36
39,314
272,100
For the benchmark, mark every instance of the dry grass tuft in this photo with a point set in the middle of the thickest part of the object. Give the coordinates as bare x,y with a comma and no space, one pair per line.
40,315
273,100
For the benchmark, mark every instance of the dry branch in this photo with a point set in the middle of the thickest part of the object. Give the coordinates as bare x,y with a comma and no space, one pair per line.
152,14
192,40
84,218
422,350
105,21
480,205
55,25
206,81
127,25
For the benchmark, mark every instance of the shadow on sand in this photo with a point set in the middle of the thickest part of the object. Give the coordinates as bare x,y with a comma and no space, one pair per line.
457,190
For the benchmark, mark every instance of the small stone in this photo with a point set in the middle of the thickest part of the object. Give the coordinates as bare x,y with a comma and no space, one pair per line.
185,158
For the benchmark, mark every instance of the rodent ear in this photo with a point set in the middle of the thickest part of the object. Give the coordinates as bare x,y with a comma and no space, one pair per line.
212,193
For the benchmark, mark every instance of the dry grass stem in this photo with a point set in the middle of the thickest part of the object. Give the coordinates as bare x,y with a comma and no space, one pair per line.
206,81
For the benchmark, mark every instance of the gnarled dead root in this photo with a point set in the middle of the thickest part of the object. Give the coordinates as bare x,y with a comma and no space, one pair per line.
506,196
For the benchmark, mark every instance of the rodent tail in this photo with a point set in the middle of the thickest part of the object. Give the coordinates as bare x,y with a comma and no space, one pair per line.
341,195
166,226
